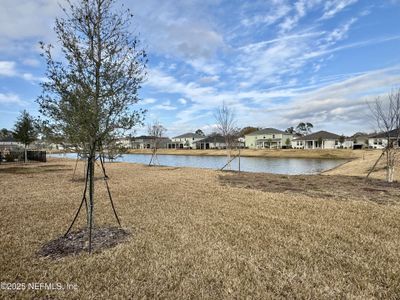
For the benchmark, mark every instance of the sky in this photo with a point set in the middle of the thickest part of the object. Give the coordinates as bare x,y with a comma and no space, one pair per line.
275,62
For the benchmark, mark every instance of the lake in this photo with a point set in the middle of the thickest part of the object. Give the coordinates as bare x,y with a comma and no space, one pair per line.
289,166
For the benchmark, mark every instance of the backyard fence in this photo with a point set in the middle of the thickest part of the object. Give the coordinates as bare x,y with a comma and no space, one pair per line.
18,156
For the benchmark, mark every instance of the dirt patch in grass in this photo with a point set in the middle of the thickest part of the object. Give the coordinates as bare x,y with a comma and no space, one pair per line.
32,169
327,187
77,242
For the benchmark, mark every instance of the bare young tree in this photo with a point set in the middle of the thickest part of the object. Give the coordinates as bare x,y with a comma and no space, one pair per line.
156,132
386,113
225,118
88,95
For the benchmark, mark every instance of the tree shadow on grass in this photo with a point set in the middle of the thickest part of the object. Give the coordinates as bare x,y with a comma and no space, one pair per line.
76,242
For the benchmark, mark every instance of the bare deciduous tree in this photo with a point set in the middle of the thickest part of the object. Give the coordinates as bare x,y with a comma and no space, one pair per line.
156,132
88,96
225,118
386,113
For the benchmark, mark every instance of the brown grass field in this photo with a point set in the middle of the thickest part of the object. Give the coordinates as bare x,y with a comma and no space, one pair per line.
206,234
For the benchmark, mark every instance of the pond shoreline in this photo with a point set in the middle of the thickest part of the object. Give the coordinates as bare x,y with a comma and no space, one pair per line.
257,164
273,153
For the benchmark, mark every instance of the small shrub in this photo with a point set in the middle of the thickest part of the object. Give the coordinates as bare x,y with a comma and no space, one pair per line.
9,157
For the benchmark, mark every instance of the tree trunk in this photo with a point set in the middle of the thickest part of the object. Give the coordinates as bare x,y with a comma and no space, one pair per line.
391,174
91,165
390,160
25,155
228,167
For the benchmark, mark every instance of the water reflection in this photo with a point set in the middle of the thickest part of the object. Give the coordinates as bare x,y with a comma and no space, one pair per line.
289,166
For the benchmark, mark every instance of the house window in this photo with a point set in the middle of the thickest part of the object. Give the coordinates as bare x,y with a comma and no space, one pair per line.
273,136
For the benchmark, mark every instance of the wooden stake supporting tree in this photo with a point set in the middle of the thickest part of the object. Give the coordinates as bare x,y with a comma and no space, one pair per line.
88,96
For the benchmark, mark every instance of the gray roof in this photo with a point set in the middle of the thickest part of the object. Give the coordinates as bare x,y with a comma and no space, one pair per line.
392,133
325,135
189,135
212,139
7,139
147,137
362,135
268,131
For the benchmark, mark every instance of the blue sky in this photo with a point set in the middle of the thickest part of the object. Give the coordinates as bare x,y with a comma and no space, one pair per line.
275,62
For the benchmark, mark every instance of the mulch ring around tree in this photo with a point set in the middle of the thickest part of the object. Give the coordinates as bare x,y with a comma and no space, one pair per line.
78,241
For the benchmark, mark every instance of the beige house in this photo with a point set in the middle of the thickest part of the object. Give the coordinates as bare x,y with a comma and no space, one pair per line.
10,144
185,141
268,138
147,142
317,140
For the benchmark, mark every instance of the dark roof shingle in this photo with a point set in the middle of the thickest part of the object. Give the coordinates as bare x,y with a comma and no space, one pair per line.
325,135
189,135
267,131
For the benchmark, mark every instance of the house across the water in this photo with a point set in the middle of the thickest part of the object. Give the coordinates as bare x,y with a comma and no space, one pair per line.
268,138
148,142
215,141
9,144
185,141
380,140
318,140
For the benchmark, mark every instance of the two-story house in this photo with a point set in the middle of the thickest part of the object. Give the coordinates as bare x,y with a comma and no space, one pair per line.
185,141
270,138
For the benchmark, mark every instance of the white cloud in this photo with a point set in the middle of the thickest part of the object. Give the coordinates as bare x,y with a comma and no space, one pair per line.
177,28
333,7
209,79
182,101
10,98
7,68
166,105
277,11
147,101
31,62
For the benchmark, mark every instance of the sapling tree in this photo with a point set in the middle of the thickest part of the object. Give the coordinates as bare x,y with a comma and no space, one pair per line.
288,142
156,132
225,118
342,139
89,94
386,114
25,131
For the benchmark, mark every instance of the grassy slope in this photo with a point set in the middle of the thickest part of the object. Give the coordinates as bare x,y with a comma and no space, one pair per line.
195,238
362,165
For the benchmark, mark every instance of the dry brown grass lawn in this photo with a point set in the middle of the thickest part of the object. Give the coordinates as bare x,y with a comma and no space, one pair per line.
194,237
